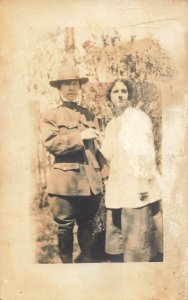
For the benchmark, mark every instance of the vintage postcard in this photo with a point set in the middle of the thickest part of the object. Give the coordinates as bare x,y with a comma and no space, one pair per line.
94,151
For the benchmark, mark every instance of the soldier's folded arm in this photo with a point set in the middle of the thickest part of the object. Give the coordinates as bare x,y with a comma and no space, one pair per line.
57,143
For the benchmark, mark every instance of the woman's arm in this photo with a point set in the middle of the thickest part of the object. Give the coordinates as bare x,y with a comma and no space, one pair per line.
109,141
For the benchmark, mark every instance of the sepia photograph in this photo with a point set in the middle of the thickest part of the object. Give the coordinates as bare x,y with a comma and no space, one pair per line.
94,181
102,132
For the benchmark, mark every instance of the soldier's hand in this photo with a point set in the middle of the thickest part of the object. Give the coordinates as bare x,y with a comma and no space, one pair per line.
89,134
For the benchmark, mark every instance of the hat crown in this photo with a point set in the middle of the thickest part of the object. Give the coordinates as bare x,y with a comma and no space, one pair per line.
67,71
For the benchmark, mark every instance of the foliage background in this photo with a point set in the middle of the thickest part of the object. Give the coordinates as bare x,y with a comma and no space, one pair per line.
102,57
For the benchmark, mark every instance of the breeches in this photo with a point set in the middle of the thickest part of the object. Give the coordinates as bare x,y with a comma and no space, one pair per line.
69,210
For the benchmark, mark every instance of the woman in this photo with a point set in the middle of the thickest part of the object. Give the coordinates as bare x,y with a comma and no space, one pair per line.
132,191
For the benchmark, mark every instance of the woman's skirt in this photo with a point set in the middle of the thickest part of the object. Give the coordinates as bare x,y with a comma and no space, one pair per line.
135,232
113,238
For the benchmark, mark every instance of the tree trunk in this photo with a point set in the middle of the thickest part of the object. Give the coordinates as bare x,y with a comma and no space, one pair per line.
69,40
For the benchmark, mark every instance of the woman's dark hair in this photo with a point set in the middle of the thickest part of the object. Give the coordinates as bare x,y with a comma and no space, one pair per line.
127,83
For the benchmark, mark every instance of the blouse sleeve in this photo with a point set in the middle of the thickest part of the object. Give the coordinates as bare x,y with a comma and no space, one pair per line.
107,148
146,157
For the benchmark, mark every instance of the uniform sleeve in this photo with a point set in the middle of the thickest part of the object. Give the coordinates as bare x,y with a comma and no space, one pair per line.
57,143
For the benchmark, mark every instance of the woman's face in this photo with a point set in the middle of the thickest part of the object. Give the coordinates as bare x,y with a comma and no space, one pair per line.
119,95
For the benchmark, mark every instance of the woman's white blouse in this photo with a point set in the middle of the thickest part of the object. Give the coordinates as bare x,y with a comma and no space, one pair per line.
129,146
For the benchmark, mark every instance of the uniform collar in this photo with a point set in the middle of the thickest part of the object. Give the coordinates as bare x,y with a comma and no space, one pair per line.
71,105
74,106
84,112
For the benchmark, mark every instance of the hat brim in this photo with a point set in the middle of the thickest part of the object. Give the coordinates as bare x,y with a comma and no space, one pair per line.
57,83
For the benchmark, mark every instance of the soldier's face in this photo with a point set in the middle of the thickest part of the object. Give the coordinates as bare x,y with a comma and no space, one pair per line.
70,89
119,95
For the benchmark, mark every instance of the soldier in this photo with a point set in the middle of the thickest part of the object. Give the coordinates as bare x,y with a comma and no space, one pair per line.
71,133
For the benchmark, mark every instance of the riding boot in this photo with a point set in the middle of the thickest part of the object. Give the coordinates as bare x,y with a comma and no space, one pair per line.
85,242
65,243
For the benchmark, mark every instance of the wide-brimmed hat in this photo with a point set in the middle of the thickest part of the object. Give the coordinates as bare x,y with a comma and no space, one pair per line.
67,72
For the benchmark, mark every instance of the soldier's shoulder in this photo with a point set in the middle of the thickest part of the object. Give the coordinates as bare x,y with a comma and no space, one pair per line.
53,113
55,110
